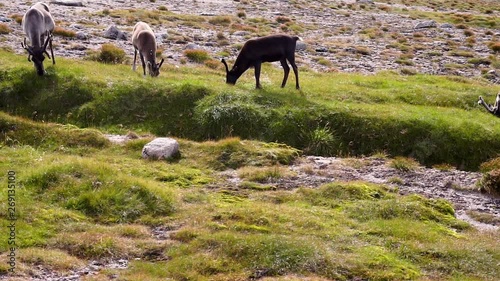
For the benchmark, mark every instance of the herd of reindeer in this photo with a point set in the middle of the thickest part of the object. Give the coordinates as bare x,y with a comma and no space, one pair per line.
38,26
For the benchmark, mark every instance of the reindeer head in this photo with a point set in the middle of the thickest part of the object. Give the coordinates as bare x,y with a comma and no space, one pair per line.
154,69
37,55
231,75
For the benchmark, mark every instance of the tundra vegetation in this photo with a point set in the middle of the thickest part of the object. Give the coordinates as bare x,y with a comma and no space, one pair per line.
81,198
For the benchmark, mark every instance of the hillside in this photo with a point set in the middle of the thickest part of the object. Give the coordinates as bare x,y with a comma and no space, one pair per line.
382,167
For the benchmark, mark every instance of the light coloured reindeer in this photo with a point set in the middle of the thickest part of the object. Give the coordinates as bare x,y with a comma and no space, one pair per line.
38,26
144,42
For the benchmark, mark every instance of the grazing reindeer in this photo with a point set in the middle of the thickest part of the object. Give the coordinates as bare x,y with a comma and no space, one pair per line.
265,49
491,109
144,41
38,25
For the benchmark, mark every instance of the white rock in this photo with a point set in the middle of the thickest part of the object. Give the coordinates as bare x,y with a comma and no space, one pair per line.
241,33
426,24
160,148
191,46
301,46
72,3
114,33
80,35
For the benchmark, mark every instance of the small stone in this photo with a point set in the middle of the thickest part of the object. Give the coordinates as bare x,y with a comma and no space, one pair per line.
241,33
446,26
160,148
4,19
160,37
321,49
192,46
492,72
426,24
81,35
114,33
301,46
71,3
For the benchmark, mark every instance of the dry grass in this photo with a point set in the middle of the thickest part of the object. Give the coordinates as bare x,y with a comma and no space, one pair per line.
61,31
4,29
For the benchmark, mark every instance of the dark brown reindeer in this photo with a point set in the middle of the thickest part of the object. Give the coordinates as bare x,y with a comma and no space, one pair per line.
144,42
493,109
38,25
265,49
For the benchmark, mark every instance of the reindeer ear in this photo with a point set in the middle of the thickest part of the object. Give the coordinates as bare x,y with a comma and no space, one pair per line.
161,62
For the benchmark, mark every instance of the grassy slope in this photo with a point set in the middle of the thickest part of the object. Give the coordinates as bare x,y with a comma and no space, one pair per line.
433,119
85,201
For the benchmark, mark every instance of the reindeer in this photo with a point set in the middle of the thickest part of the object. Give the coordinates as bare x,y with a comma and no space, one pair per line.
265,49
493,109
38,25
144,42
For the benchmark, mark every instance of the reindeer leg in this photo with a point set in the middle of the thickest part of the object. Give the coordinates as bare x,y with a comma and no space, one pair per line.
135,58
286,68
295,71
143,63
496,110
51,50
257,75
487,106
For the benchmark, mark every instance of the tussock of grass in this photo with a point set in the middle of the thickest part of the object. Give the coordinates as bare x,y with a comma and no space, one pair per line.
263,174
109,53
95,190
403,164
19,131
64,32
234,153
490,183
228,114
4,29
495,47
220,20
98,242
50,258
198,56
139,104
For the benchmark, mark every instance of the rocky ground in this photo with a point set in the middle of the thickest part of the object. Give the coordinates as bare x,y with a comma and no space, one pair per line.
458,187
347,36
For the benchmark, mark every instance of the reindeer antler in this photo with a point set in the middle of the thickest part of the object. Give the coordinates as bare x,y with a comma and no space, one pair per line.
27,48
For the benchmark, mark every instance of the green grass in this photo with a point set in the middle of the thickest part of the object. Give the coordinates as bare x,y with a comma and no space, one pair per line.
482,6
85,203
475,20
433,119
